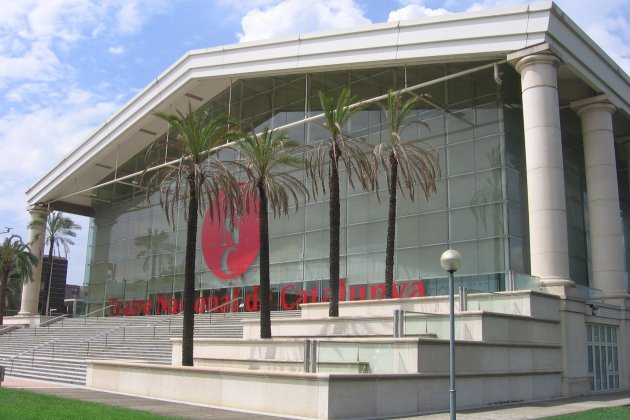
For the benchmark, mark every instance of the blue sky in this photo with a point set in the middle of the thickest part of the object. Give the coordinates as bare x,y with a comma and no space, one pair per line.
67,65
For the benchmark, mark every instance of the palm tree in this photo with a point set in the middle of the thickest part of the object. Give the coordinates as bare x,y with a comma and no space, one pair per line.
265,158
59,233
197,179
405,164
15,257
323,163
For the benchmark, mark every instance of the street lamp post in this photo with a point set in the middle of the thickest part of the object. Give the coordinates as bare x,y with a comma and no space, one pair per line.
451,261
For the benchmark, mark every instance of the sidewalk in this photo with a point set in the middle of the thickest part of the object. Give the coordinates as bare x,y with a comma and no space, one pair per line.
533,410
540,409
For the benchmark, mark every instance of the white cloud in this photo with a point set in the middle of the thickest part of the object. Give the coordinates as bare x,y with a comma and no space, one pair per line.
608,24
37,63
494,4
32,32
117,50
22,92
290,17
415,11
49,131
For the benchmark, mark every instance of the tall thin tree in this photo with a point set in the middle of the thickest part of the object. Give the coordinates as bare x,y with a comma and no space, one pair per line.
406,163
323,164
59,234
196,180
265,160
15,257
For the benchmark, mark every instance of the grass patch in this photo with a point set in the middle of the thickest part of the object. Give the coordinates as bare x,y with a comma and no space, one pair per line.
608,413
24,405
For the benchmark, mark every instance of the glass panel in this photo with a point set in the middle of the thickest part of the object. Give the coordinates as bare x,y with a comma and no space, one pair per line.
598,378
430,261
366,268
463,225
469,249
487,116
161,284
436,201
407,232
487,153
459,126
285,248
589,354
407,261
316,269
316,244
461,191
433,228
459,158
596,334
491,256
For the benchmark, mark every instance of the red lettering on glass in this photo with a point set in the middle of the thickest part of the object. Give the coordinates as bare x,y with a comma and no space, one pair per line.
230,252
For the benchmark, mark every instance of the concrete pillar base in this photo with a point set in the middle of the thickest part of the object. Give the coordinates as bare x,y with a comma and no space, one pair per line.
564,290
24,320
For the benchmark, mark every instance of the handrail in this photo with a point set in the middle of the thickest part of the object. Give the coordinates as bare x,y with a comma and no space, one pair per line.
98,310
124,326
213,310
32,350
101,334
51,321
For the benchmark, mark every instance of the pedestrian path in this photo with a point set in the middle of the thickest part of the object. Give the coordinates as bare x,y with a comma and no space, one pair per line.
532,410
540,409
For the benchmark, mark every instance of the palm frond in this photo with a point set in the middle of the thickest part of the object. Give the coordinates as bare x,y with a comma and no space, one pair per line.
353,152
417,162
264,160
197,140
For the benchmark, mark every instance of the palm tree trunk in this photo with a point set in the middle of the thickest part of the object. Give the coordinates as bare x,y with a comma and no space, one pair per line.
265,280
335,217
3,292
189,277
50,274
391,227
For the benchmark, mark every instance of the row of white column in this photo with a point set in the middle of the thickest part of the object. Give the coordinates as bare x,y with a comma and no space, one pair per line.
30,289
545,182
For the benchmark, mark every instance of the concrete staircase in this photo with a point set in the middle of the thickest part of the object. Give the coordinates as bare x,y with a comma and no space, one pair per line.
57,352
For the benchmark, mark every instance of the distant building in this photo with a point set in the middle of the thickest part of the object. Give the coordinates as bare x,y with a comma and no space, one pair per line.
74,301
58,289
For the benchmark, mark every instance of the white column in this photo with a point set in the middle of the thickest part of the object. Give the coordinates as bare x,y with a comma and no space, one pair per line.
606,230
30,289
545,174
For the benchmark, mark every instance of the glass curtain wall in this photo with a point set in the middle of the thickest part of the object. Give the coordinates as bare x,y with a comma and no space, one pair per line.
470,121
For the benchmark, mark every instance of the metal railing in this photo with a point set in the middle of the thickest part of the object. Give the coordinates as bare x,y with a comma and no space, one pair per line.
33,350
216,308
51,321
124,327
93,312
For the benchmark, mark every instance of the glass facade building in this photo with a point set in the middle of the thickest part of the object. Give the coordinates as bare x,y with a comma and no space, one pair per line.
480,207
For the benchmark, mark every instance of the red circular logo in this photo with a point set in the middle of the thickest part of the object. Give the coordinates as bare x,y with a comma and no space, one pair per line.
230,252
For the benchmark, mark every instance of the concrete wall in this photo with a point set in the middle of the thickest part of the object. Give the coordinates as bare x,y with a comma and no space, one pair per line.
325,396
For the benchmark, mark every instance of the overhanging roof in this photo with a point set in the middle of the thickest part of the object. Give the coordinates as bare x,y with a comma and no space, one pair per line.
201,74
